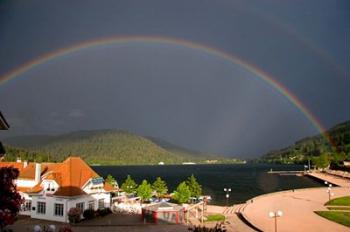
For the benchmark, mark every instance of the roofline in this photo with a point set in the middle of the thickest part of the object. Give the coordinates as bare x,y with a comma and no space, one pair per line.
3,123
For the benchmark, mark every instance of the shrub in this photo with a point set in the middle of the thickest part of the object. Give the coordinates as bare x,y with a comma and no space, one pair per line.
89,213
10,199
104,212
74,215
218,228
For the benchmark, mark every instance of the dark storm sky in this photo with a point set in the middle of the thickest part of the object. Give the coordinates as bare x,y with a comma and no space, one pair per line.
183,95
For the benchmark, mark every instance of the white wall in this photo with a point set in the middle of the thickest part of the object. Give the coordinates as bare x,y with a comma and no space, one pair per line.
25,183
67,204
50,208
26,198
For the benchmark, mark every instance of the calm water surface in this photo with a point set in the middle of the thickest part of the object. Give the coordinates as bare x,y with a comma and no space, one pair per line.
245,180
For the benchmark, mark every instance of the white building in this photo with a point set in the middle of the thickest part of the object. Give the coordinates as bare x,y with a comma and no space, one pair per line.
51,189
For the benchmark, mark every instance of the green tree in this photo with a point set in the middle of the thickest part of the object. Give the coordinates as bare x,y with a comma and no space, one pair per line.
182,193
129,185
111,180
322,161
194,186
144,191
160,187
338,158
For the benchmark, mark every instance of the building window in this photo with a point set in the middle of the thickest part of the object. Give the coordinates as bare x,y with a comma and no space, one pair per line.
101,203
58,209
80,206
27,205
41,207
91,204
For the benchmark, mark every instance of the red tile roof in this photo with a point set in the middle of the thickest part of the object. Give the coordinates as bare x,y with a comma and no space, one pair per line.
71,175
108,187
28,171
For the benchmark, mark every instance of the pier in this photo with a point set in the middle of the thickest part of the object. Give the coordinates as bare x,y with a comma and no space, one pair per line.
330,178
284,173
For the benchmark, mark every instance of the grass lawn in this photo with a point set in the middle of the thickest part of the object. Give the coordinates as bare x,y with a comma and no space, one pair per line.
343,201
339,208
336,216
215,217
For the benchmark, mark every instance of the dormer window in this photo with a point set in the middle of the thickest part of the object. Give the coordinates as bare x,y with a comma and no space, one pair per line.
49,188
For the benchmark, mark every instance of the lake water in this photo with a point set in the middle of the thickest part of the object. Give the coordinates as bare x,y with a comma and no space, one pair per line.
245,180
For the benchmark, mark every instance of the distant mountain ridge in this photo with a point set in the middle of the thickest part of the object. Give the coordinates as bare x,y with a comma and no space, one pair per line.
106,147
314,146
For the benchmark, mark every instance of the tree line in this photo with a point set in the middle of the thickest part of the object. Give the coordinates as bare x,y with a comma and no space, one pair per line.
145,190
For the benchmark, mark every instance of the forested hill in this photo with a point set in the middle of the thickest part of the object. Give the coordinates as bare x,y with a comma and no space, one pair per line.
105,147
314,147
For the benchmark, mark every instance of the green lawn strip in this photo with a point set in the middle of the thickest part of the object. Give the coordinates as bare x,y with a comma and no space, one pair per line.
336,216
215,217
339,208
342,201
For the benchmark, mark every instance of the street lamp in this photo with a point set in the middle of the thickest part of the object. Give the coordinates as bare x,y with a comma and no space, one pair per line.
227,191
305,167
275,215
329,190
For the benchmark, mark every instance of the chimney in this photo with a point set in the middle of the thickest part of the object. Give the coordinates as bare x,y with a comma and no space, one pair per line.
25,164
37,172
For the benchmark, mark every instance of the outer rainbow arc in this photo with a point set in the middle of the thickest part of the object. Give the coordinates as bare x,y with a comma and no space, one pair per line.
166,40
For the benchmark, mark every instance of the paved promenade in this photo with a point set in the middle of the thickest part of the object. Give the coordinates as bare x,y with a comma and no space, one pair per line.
298,210
337,180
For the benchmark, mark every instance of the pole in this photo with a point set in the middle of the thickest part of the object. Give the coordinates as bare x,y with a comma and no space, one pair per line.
275,223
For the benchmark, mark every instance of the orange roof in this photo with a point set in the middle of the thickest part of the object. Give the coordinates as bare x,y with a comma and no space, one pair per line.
108,187
37,188
17,165
71,175
28,172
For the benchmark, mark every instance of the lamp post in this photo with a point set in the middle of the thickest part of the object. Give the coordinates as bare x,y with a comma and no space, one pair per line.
275,215
227,191
329,190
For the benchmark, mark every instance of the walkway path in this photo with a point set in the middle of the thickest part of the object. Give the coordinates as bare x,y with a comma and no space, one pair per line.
298,210
337,180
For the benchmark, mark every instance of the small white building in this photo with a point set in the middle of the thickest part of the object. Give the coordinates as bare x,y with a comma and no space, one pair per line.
51,189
